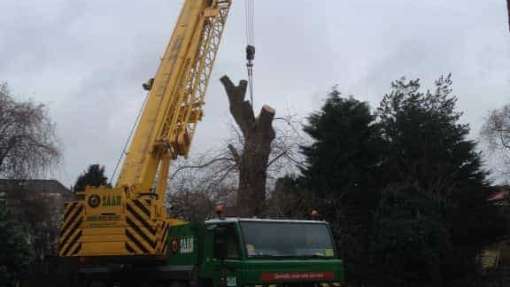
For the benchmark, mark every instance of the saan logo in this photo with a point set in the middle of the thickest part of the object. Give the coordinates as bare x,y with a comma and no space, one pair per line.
186,245
110,200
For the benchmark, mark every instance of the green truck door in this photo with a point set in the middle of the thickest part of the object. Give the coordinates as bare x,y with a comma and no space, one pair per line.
222,255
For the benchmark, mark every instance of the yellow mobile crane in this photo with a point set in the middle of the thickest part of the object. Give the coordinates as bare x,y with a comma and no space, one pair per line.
122,235
130,219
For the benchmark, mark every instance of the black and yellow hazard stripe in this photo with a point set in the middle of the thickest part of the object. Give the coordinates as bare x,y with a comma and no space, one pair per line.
164,240
162,235
70,233
141,229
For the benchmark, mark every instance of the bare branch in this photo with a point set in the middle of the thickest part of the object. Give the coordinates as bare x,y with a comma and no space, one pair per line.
276,158
199,166
235,154
28,145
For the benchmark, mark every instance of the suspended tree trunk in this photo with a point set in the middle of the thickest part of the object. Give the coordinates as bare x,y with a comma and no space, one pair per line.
258,135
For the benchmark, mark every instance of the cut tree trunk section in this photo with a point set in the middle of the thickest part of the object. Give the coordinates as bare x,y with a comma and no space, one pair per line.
258,135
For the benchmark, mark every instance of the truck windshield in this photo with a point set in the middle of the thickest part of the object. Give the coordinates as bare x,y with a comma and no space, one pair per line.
283,239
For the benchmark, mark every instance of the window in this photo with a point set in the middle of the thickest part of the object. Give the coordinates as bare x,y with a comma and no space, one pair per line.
226,243
282,239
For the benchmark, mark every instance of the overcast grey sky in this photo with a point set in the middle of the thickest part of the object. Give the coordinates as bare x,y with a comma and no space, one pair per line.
86,59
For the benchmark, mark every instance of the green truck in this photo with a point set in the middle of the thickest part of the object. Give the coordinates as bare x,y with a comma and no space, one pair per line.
235,252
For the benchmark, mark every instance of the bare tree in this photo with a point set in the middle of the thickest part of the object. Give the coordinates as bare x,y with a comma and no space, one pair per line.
495,134
28,144
198,183
216,174
258,134
496,129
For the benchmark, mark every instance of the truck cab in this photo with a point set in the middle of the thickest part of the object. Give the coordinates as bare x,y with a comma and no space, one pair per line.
252,252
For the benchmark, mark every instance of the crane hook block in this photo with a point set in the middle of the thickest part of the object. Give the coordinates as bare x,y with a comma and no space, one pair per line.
148,85
250,53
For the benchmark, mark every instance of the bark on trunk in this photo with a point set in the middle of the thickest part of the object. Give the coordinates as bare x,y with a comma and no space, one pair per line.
258,135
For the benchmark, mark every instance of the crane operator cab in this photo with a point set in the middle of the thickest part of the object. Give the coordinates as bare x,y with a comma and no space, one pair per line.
273,238
246,252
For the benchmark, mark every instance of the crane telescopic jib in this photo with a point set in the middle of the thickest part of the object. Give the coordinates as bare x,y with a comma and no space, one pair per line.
122,236
130,219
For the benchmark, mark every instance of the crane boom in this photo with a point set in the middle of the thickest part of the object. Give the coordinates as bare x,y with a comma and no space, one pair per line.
176,98
130,218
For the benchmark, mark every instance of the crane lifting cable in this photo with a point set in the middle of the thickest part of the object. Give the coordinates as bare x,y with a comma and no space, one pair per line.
131,133
250,43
